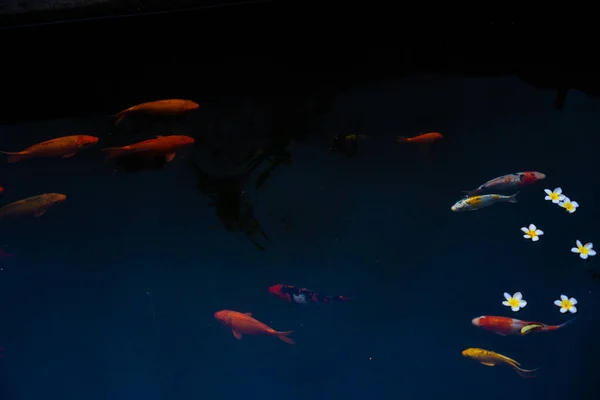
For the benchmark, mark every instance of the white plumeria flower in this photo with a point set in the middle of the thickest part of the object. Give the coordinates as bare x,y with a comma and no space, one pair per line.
584,250
515,302
554,195
532,233
569,205
566,304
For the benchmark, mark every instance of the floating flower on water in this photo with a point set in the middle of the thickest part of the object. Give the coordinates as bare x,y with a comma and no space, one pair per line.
515,302
566,304
532,232
554,195
584,250
569,205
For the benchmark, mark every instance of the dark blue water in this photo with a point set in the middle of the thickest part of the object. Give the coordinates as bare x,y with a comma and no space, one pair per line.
111,295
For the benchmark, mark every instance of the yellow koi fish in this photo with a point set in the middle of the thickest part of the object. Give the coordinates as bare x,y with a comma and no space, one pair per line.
490,358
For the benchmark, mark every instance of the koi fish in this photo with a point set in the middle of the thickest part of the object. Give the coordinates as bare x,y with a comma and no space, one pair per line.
508,182
303,296
65,147
510,326
161,145
490,358
423,138
36,205
159,107
486,200
243,323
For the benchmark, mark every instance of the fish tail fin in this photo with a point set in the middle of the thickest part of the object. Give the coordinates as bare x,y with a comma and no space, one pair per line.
115,151
402,139
14,156
513,198
283,336
569,322
526,373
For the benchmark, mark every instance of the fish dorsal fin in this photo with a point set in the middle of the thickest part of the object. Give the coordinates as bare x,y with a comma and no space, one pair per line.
530,328
248,314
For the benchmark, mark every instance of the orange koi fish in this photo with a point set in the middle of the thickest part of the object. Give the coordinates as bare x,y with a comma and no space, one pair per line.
508,182
243,323
423,138
162,145
36,205
159,107
64,147
490,358
510,326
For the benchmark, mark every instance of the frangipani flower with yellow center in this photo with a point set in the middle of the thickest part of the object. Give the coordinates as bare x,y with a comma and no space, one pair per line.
569,205
566,304
515,302
584,250
532,232
554,195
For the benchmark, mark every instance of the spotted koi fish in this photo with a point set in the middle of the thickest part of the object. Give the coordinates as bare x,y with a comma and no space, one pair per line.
478,202
304,296
509,182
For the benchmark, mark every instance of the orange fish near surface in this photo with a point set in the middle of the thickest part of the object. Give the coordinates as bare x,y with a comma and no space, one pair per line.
64,147
244,324
424,138
159,107
162,145
510,326
36,205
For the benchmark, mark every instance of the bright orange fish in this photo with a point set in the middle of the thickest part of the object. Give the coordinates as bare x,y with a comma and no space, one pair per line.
36,205
491,358
64,147
510,326
424,138
159,107
244,324
162,145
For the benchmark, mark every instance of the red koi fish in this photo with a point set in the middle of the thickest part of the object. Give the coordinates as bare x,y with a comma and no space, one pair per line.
423,138
508,182
303,296
159,107
160,146
65,147
509,326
